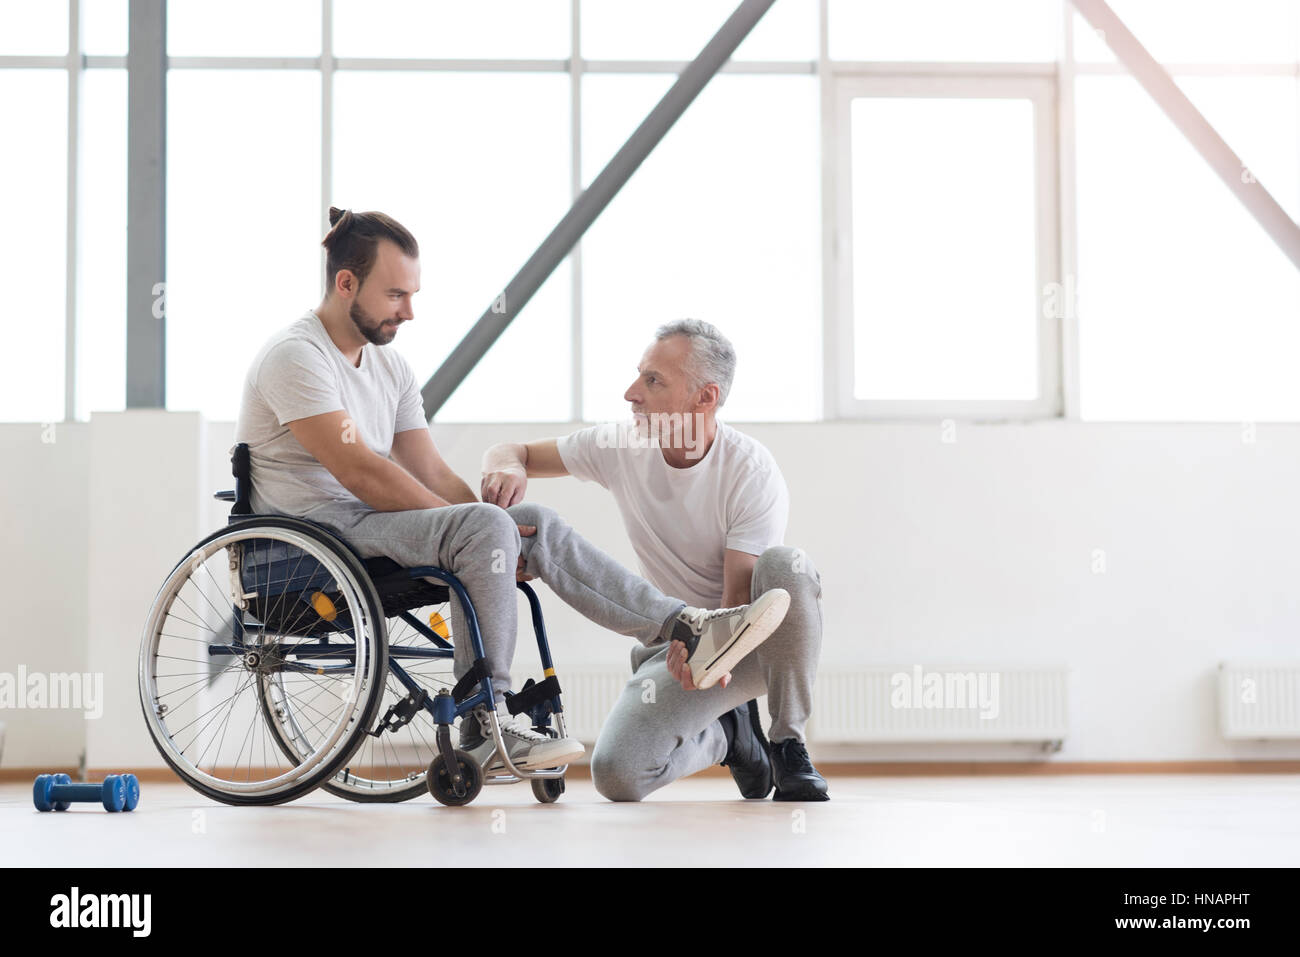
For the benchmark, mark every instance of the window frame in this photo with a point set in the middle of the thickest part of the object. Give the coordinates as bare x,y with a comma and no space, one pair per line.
951,82
575,66
835,371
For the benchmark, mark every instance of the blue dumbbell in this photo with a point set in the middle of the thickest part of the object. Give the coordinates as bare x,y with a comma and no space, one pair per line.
56,792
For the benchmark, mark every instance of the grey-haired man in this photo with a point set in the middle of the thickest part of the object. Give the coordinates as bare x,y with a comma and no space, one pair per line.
705,507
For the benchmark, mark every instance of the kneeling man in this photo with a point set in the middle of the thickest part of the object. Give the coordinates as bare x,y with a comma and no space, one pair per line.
705,507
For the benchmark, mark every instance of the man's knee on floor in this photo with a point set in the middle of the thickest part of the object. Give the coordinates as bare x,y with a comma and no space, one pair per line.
613,776
782,566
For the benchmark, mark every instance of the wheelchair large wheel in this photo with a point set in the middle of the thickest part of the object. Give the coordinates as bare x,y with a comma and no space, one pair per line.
269,602
391,764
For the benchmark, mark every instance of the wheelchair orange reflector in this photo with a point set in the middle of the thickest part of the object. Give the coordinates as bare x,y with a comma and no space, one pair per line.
439,625
324,607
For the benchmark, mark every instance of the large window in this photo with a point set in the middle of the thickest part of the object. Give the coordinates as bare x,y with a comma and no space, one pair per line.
947,199
452,29
912,208
243,28
702,231
101,241
44,30
938,31
477,125
63,191
243,194
478,206
676,30
33,241
1187,310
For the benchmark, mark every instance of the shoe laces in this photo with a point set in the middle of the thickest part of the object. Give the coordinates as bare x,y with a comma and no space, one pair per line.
795,755
517,726
700,617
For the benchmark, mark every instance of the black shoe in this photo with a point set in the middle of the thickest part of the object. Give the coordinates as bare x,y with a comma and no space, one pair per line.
747,756
796,778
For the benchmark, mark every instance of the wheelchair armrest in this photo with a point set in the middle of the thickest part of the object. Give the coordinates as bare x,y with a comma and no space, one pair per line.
227,496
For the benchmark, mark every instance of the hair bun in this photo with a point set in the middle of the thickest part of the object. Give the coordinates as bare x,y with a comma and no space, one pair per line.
336,214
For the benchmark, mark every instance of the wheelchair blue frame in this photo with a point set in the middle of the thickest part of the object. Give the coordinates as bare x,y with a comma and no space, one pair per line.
441,707
272,576
302,601
442,649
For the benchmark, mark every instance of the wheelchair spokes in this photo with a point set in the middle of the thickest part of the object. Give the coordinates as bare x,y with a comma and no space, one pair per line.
261,662
394,757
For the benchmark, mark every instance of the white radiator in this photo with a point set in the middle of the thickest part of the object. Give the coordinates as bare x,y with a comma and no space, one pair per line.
1259,699
588,697
941,703
877,703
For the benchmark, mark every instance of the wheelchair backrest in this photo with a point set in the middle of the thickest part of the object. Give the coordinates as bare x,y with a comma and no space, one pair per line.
240,468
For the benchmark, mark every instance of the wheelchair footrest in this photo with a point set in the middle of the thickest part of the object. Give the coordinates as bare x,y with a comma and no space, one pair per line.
533,694
401,714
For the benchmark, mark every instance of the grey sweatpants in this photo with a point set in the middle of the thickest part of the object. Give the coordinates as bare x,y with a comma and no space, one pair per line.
659,732
480,544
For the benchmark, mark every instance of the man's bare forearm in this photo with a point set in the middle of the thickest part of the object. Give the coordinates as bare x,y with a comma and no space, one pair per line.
387,487
454,490
507,455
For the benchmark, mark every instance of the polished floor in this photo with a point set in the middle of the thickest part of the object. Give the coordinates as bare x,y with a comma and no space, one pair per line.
1085,820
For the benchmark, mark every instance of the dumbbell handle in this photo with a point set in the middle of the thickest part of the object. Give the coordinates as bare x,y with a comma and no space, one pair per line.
77,792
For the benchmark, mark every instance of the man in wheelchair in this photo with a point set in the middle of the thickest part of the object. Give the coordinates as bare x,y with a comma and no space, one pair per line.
324,406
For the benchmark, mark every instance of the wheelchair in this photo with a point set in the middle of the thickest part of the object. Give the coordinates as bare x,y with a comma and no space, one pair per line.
275,660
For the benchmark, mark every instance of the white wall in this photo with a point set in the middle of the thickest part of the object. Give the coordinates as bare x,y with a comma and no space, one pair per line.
978,549
147,509
45,504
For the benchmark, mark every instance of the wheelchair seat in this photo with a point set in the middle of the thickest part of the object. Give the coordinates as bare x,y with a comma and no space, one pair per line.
398,591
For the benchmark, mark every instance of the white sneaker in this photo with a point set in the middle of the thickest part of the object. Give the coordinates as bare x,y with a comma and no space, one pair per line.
528,749
724,636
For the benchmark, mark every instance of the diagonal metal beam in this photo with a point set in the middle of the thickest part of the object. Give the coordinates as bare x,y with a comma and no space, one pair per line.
589,205
1259,202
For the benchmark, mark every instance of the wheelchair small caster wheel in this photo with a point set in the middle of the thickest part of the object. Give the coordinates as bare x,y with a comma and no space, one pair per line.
548,790
443,788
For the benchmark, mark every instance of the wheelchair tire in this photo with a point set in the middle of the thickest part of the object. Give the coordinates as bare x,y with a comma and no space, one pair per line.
310,589
548,790
439,781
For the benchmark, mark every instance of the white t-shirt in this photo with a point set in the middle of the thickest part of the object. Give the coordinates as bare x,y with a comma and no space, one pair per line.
300,372
681,521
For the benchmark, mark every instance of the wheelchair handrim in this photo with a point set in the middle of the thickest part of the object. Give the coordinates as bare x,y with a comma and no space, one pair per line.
362,678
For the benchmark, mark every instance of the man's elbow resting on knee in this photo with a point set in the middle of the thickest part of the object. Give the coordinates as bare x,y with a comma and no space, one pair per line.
385,486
